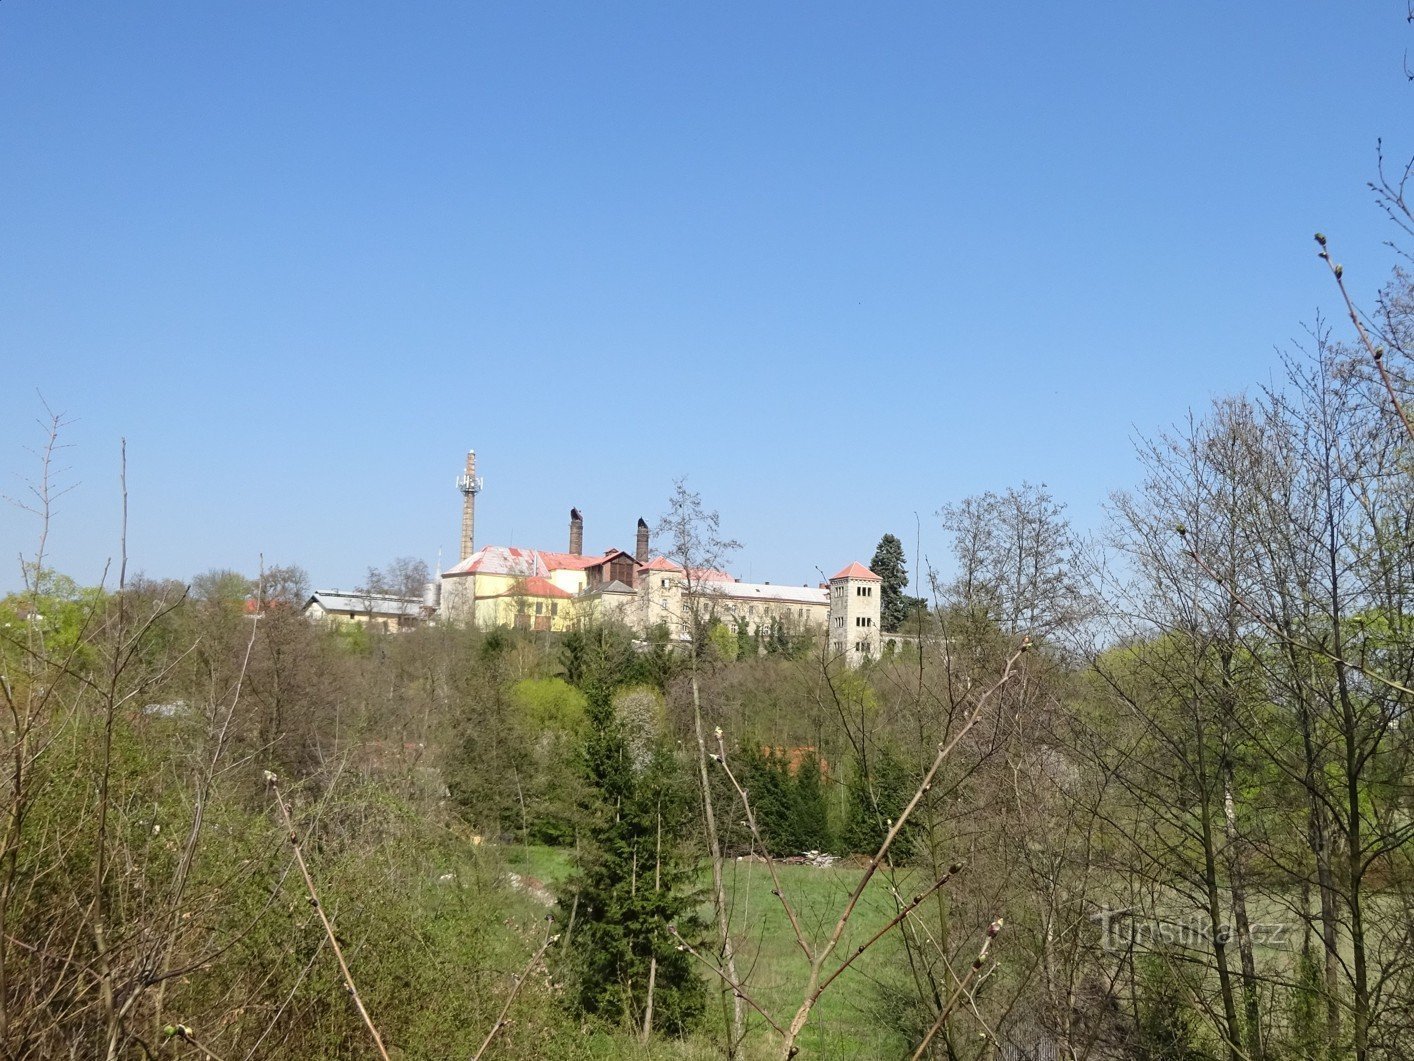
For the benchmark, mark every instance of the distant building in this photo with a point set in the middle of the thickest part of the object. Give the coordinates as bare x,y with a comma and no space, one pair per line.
537,589
369,609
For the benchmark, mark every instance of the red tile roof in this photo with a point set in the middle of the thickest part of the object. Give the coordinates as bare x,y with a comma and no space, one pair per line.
612,554
858,571
660,563
514,560
567,561
711,574
535,587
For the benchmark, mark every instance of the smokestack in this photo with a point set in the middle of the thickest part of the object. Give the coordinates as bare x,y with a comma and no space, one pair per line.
576,533
470,485
640,552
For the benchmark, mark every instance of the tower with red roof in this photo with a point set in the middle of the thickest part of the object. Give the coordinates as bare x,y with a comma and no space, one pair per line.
854,614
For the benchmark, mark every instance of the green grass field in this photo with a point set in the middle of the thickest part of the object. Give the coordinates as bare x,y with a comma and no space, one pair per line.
769,957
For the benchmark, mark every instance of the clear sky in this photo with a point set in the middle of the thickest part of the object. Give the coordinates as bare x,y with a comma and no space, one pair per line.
837,263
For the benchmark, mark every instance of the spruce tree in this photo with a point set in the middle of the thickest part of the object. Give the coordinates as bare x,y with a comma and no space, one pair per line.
634,877
888,564
876,793
811,808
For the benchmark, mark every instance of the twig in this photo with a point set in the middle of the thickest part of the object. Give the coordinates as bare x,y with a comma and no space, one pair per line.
957,993
319,909
185,1034
1377,352
520,982
1281,635
917,901
776,888
737,989
815,987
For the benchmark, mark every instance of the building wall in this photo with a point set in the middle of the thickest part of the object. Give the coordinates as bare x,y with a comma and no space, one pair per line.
847,611
458,599
525,612
625,608
569,580
854,629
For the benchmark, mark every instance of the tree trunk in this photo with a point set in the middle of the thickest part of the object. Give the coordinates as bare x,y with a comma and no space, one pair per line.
732,1005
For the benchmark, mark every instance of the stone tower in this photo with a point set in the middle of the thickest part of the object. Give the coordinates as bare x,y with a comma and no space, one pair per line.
469,483
854,614
640,550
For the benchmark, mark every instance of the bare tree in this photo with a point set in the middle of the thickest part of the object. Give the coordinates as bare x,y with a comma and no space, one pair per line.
695,543
1015,555
405,576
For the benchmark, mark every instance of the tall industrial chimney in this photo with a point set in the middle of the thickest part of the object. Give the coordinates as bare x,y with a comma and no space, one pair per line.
576,533
469,483
640,552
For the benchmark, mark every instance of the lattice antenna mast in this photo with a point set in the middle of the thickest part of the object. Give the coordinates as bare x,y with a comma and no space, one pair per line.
470,484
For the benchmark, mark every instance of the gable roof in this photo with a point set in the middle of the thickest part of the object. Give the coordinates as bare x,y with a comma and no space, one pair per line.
499,560
378,604
612,554
767,592
518,561
534,586
567,561
858,572
614,586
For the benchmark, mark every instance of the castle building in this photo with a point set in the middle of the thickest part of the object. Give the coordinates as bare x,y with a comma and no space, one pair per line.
537,589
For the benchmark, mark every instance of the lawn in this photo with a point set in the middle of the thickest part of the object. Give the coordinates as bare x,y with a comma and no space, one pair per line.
769,957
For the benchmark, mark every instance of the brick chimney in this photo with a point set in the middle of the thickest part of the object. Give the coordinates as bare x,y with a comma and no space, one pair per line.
640,552
576,533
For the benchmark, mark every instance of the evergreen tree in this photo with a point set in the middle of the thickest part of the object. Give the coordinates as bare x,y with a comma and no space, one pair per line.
811,808
768,784
876,794
888,564
790,807
633,875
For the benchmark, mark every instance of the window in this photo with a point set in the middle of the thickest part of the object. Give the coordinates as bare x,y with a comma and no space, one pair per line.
555,608
539,607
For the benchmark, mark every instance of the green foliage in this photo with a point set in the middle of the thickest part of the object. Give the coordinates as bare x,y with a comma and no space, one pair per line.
888,564
723,642
355,638
598,654
55,621
748,645
633,883
224,587
549,704
1168,1024
790,806
878,789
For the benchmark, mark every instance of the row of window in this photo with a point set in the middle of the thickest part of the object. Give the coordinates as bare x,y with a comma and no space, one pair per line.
859,620
864,648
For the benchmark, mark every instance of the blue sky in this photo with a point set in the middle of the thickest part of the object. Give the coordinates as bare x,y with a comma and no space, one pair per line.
838,264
